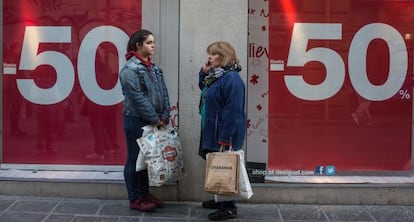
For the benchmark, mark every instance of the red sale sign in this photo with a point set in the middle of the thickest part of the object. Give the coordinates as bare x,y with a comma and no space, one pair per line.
340,84
62,100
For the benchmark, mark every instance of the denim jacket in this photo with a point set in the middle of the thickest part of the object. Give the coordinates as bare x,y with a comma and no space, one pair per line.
225,116
145,92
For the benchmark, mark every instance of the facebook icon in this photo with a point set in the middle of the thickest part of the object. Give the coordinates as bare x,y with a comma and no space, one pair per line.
320,170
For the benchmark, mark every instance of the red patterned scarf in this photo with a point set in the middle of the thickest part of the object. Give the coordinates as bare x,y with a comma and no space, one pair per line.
147,63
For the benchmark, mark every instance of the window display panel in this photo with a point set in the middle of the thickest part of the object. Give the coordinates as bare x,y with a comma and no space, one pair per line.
62,100
340,85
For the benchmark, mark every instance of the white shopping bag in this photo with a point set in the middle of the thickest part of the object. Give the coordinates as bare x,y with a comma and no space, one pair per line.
140,165
162,154
245,188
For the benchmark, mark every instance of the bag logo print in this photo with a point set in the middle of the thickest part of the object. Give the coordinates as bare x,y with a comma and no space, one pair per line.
169,153
218,167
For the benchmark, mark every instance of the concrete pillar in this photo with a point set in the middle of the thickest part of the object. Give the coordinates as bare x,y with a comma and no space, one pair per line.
203,22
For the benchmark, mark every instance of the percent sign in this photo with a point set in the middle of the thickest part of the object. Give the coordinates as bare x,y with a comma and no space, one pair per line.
404,94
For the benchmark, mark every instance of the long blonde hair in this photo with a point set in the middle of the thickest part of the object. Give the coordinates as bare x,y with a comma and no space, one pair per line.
225,50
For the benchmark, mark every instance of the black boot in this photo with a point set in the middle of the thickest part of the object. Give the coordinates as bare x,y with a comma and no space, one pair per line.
223,214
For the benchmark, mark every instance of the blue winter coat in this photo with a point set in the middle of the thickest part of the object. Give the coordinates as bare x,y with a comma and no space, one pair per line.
145,92
225,116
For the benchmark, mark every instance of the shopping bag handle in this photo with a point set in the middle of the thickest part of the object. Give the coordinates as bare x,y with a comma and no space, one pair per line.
222,148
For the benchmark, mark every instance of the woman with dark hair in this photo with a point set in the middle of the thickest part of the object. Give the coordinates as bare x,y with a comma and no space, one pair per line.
222,109
146,103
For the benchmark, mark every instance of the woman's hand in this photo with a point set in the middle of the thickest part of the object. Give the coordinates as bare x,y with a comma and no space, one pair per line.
160,124
206,67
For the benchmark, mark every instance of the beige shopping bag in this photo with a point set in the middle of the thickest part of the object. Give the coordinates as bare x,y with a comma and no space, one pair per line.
222,173
245,189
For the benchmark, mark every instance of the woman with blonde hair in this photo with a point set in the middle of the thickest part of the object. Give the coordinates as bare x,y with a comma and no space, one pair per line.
222,109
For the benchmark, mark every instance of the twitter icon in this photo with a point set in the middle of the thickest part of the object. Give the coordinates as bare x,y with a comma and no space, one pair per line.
330,170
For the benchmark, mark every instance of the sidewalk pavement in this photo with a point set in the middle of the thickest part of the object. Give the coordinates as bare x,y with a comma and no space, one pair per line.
45,209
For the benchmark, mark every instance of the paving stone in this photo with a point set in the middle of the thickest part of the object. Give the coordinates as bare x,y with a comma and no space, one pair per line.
171,209
258,212
258,220
162,219
203,220
8,197
5,204
410,209
42,209
118,209
22,217
35,206
129,219
391,213
78,207
95,219
60,218
338,213
297,212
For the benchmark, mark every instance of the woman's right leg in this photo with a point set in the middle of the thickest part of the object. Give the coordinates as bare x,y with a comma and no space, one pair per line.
136,182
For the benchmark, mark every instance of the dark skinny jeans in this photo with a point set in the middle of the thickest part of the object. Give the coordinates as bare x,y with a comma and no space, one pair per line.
137,183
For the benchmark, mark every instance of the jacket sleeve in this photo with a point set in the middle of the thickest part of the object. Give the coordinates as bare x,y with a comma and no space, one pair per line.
233,96
201,76
131,87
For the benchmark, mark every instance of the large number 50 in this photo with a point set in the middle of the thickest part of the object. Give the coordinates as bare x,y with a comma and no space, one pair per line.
65,74
335,67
